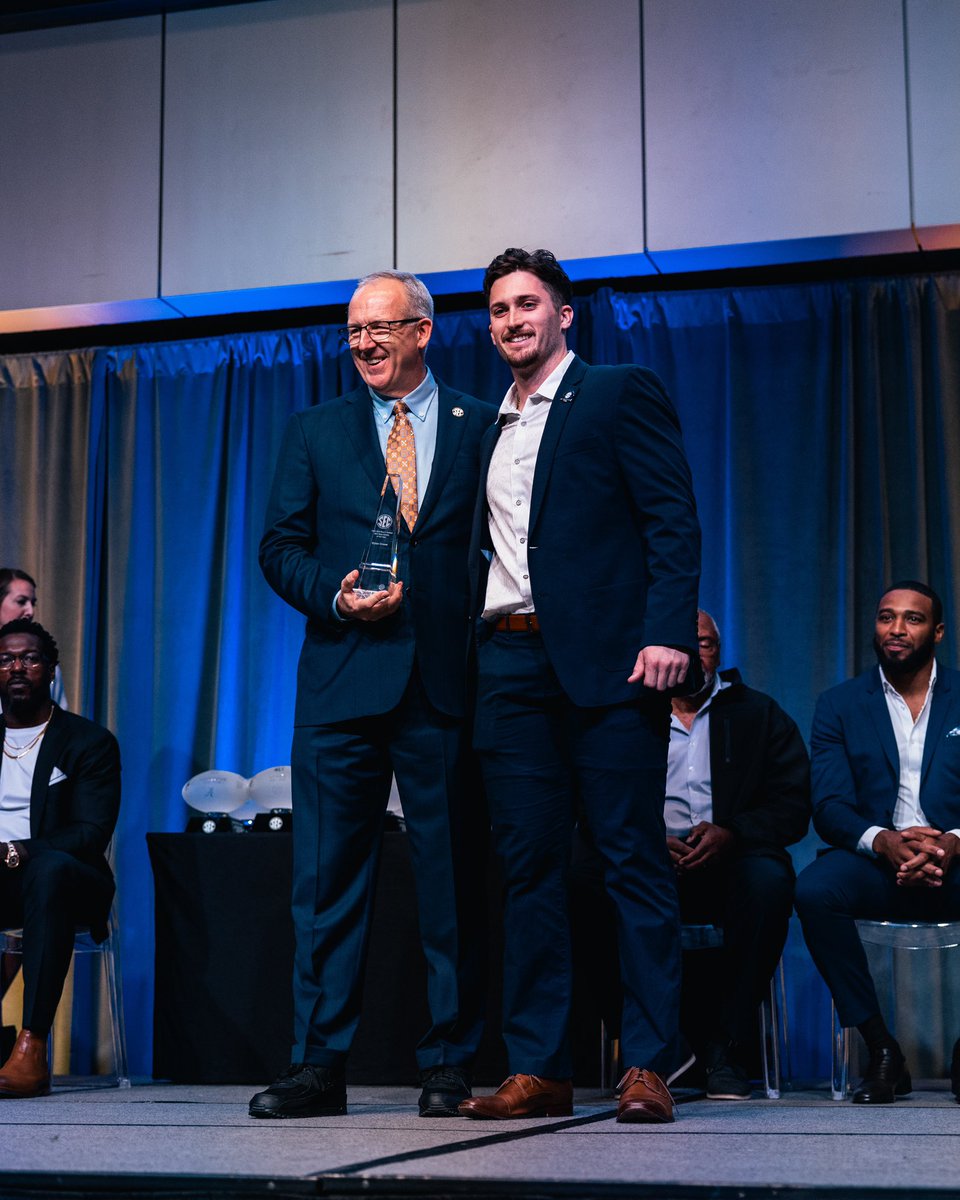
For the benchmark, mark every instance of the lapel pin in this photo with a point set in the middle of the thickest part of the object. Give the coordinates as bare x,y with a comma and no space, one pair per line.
457,412
567,397
954,732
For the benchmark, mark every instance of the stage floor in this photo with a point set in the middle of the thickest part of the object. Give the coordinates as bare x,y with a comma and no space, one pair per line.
167,1140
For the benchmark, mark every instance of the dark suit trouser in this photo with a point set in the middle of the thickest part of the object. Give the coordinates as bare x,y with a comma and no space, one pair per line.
749,897
838,889
538,752
49,896
341,784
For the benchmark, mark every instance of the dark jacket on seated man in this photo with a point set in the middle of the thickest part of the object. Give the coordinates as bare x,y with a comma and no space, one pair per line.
759,770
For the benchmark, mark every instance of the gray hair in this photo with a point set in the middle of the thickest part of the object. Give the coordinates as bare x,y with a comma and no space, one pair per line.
421,302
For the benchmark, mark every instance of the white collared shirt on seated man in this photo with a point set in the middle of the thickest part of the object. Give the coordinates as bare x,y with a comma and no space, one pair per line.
911,736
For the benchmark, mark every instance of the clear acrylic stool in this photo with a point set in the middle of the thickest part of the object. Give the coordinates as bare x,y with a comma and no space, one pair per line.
895,935
11,942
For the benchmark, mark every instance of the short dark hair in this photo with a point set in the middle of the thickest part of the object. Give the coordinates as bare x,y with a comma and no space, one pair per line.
8,575
541,263
23,625
914,585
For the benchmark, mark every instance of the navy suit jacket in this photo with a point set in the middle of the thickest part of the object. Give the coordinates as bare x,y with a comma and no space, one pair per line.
325,496
77,813
614,538
856,767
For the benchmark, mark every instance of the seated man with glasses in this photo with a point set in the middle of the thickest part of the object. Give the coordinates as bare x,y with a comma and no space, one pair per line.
59,799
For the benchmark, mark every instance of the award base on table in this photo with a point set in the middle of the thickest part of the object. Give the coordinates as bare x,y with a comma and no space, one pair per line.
378,567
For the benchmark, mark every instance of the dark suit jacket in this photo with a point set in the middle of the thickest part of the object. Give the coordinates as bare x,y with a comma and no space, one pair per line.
759,770
324,501
614,538
856,767
78,813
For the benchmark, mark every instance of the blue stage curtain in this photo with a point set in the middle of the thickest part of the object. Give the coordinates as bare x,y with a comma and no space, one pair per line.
820,422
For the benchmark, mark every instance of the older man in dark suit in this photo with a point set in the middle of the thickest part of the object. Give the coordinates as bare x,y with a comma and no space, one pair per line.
885,753
380,690
59,799
588,621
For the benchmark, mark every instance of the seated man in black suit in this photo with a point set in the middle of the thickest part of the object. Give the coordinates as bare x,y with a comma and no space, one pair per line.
738,793
59,798
886,798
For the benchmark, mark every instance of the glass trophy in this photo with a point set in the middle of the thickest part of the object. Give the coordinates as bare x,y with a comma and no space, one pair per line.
378,567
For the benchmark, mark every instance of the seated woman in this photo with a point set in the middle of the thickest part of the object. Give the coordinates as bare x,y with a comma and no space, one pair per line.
18,598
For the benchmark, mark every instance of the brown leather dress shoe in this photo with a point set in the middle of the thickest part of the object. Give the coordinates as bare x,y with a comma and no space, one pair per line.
644,1099
25,1072
522,1096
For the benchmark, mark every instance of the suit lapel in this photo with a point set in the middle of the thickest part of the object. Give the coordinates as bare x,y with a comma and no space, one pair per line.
357,416
560,407
450,430
939,707
880,715
50,746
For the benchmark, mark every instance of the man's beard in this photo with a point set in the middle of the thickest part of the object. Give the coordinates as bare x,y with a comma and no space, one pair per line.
918,657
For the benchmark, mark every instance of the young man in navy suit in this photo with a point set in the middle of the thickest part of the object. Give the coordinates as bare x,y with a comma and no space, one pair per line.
587,557
380,690
886,797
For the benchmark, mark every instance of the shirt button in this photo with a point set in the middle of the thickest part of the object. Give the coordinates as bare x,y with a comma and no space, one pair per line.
516,462
526,576
522,540
519,502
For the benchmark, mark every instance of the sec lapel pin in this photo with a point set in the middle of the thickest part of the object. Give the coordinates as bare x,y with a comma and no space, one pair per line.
567,397
457,412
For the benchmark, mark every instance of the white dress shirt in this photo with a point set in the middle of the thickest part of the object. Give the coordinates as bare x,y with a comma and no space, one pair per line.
910,735
509,488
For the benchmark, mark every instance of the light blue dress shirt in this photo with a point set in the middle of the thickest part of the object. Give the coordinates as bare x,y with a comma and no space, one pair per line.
422,403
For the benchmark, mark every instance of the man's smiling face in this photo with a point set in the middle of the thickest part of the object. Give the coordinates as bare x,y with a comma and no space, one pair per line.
905,636
393,366
528,323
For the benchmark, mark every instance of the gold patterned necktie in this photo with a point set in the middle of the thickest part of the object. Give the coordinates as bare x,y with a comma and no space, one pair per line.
402,461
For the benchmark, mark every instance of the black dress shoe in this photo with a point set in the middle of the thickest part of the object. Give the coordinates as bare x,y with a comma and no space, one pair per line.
303,1090
726,1078
886,1077
443,1089
955,1070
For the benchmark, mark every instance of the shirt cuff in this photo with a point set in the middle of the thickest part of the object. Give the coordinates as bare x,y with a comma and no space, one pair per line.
865,845
336,611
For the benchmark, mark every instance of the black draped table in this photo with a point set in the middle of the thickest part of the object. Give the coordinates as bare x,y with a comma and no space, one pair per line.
223,1006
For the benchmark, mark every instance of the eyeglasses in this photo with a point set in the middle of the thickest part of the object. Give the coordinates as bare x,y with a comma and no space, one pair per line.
378,331
30,661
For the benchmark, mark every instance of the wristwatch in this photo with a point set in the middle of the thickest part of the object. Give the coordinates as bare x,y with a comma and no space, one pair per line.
12,861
